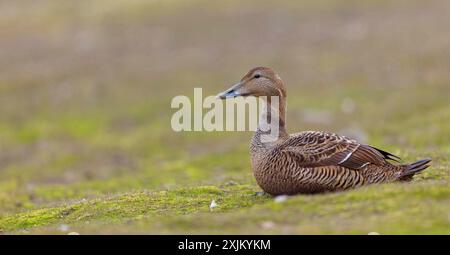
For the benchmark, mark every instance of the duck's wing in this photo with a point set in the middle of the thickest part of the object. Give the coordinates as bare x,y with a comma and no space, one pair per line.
313,149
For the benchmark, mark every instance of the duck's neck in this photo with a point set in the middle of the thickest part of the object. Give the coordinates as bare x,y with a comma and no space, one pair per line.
272,120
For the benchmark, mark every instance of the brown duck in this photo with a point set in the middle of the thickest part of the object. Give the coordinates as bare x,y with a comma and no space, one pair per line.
310,161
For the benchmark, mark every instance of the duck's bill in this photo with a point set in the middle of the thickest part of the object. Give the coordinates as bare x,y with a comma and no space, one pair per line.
232,92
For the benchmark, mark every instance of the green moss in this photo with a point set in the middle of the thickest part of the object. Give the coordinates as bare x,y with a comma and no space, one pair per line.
136,205
33,219
387,209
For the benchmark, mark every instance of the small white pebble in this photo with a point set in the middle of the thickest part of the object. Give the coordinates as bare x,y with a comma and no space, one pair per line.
73,233
373,233
63,228
281,199
212,205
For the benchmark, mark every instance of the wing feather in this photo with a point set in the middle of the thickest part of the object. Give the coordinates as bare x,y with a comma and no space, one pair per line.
313,149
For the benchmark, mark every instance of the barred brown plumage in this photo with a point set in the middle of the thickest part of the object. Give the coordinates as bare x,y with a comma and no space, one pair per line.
313,161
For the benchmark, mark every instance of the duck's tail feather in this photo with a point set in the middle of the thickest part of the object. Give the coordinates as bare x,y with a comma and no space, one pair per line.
414,168
387,155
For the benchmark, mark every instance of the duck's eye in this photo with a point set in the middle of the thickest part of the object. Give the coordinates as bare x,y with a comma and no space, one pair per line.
257,76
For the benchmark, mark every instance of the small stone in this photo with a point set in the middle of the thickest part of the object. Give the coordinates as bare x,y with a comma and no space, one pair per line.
281,199
73,233
373,233
212,205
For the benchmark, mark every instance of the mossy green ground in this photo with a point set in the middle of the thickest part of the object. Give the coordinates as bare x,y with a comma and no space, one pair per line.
85,90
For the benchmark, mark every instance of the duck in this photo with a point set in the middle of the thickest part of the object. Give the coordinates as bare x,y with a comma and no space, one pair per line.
309,162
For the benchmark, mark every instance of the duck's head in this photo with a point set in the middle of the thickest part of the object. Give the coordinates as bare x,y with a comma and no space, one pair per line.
259,81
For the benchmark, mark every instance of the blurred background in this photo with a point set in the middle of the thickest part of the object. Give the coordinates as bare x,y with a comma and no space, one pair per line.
86,86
